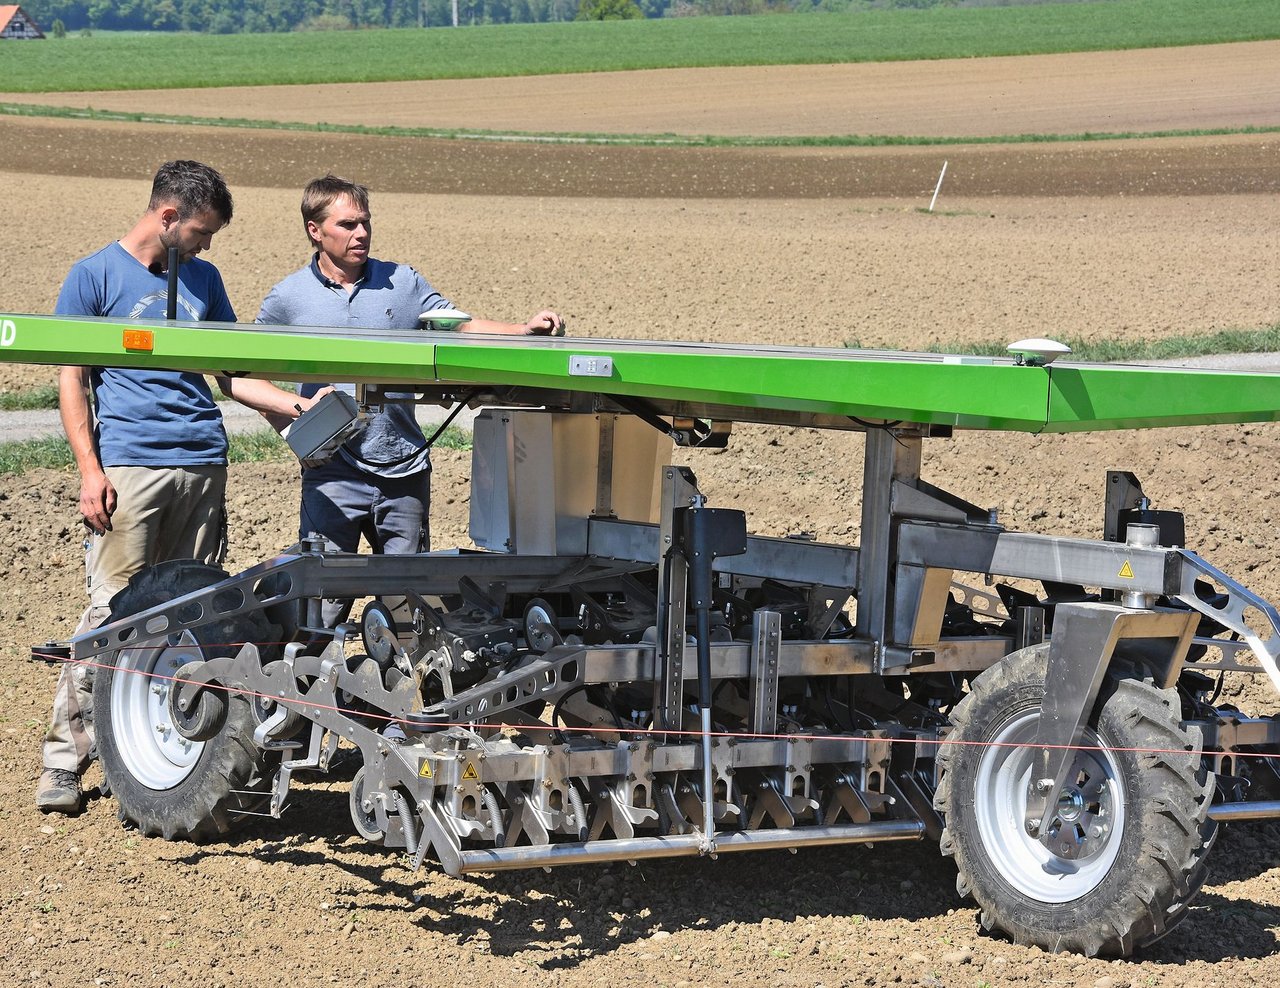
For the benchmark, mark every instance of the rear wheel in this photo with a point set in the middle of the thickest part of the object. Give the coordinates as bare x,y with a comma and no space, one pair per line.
1131,830
165,783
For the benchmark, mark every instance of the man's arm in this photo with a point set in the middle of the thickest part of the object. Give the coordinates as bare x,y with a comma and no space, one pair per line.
277,406
97,496
545,323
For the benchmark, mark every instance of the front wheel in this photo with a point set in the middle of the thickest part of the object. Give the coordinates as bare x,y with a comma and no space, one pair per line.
165,783
1131,829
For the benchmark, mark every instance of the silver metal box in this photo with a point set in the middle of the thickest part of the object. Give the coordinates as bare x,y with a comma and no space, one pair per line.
538,476
316,434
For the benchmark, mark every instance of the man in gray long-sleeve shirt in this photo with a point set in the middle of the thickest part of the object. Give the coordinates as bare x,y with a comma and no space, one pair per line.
379,484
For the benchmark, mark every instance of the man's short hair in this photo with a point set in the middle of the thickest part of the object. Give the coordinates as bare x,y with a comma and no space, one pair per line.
320,195
193,187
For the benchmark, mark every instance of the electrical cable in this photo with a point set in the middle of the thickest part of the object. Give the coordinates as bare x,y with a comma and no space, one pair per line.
882,426
421,449
556,733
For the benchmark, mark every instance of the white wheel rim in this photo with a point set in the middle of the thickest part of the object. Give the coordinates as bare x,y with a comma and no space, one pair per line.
1000,808
150,747
539,625
376,619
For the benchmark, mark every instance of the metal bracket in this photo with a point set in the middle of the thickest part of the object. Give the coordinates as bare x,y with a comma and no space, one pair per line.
1231,614
604,468
766,645
1085,637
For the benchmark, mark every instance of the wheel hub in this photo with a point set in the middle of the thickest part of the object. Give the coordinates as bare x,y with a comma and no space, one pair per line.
1076,848
1070,805
1080,824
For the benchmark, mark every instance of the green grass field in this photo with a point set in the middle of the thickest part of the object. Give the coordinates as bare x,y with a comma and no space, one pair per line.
146,61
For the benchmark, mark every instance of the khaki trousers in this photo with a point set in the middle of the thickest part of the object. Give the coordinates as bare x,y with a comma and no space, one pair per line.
161,513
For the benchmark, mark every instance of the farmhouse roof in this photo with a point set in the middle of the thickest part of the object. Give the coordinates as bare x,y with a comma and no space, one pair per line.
10,11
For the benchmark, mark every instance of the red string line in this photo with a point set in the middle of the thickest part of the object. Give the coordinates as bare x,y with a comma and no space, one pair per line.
630,732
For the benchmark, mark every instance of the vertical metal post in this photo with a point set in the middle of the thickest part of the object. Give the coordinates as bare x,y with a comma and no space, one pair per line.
604,467
706,535
890,457
766,647
703,621
1123,491
678,491
171,302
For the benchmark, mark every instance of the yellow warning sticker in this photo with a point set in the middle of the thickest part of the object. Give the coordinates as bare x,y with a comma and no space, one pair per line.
1126,571
469,774
425,771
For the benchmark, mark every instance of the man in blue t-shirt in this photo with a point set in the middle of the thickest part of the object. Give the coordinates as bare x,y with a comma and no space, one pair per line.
150,448
379,484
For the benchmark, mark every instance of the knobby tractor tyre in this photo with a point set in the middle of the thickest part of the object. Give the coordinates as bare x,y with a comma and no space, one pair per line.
165,784
1138,806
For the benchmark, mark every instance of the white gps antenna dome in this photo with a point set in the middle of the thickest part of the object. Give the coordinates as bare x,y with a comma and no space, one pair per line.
1037,352
443,320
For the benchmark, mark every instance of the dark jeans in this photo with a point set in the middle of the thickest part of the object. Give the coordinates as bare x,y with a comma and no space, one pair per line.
342,503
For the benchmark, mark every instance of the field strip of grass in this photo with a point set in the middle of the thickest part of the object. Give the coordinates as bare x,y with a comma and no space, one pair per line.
129,60
650,140
41,398
53,452
45,397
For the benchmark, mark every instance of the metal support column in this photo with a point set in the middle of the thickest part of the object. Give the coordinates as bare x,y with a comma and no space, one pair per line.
679,491
889,457
708,534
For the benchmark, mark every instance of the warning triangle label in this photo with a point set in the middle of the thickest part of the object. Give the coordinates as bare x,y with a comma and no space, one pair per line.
469,774
1126,571
425,771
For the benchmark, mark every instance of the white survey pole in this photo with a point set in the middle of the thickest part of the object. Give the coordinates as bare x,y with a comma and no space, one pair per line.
937,188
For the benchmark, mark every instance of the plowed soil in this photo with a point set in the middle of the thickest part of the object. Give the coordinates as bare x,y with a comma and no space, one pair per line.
825,247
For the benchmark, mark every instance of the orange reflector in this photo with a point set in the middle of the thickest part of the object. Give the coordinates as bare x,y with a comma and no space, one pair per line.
139,339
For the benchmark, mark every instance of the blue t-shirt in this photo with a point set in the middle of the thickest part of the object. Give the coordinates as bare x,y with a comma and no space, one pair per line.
149,418
389,296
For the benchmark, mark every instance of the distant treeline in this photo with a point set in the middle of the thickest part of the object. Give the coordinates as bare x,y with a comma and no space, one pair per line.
234,16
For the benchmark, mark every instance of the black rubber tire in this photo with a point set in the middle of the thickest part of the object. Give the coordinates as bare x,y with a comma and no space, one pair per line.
206,717
230,774
1158,787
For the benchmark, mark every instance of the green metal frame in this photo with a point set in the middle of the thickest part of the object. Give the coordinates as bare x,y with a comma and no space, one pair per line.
762,383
